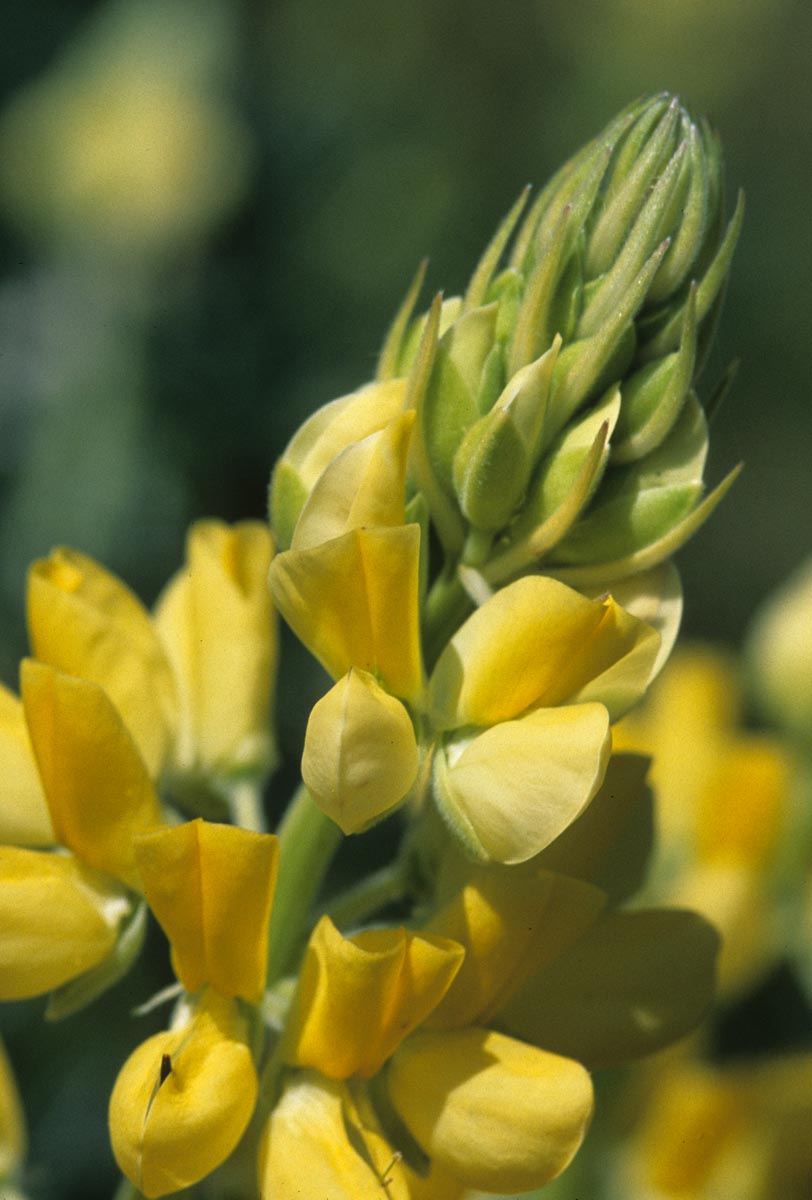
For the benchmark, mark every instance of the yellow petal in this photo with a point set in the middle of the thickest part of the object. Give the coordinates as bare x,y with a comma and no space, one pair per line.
211,888
359,997
84,621
57,920
12,1120
360,754
497,1114
306,1152
325,434
517,786
183,1099
354,603
364,485
510,923
625,655
94,779
217,625
24,816
742,808
635,982
535,642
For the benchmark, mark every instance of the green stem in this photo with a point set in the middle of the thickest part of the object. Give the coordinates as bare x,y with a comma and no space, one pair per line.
368,895
308,841
447,606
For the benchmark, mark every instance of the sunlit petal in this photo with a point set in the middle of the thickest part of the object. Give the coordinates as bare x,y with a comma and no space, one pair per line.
24,816
498,1114
94,779
358,997
360,754
354,603
211,887
517,786
86,622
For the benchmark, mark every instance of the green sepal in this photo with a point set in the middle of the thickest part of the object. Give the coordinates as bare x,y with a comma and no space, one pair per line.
586,367
389,360
450,309
495,459
604,294
449,405
79,992
286,499
638,161
455,821
654,395
477,290
417,512
639,503
688,239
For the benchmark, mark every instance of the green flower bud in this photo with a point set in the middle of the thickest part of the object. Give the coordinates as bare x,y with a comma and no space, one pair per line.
604,309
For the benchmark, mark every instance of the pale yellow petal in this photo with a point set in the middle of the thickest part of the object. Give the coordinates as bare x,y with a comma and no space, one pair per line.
306,1152
535,642
635,982
86,622
629,651
94,779
24,816
496,1113
358,997
510,923
183,1099
742,809
354,603
57,920
517,786
363,485
360,754
211,888
217,625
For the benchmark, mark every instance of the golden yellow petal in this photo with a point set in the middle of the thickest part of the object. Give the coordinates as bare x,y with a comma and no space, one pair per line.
94,779
306,1152
536,642
57,920
364,485
634,983
359,997
211,888
517,786
183,1099
24,816
84,621
497,1114
511,923
354,603
360,754
218,628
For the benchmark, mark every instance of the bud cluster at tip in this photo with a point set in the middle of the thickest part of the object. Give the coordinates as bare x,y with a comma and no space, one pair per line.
557,420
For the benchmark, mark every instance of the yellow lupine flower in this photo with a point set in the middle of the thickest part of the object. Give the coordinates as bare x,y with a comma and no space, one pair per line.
218,630
58,919
323,436
184,1098
306,1153
360,755
62,912
499,1114
396,975
86,622
364,485
193,685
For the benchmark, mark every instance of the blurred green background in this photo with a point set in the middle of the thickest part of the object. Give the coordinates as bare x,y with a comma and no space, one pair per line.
209,212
